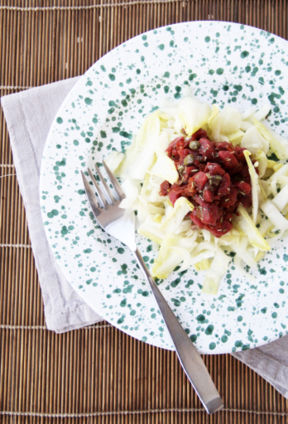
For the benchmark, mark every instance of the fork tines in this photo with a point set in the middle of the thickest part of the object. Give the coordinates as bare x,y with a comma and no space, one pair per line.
106,196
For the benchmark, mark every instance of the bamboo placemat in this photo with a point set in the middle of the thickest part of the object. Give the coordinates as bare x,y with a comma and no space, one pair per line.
99,374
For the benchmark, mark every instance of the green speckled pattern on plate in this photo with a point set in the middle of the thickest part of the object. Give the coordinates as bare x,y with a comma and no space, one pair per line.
223,63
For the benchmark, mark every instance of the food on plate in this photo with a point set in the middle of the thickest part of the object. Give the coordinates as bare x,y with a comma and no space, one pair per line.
206,184
213,176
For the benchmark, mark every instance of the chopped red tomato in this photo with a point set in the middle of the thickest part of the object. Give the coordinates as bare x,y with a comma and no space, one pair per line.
229,161
206,148
199,180
164,188
214,169
213,176
225,185
175,192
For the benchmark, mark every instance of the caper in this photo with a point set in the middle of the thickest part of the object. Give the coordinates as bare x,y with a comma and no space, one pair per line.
194,145
188,160
215,179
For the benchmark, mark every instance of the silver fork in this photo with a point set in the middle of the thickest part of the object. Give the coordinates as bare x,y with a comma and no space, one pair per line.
117,223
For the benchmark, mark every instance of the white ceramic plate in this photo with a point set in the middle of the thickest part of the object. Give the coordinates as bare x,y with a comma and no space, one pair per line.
222,62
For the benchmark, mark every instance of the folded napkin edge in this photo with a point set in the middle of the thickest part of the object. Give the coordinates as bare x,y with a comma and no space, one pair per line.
32,89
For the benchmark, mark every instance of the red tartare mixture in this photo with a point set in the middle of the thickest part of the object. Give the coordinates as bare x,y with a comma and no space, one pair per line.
213,176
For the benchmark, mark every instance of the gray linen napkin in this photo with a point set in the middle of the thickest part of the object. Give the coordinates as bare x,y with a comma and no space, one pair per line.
28,115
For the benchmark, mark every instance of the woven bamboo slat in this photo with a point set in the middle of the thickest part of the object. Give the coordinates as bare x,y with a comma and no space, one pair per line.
98,374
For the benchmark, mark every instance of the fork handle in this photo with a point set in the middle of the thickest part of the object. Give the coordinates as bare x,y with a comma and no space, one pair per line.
188,356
